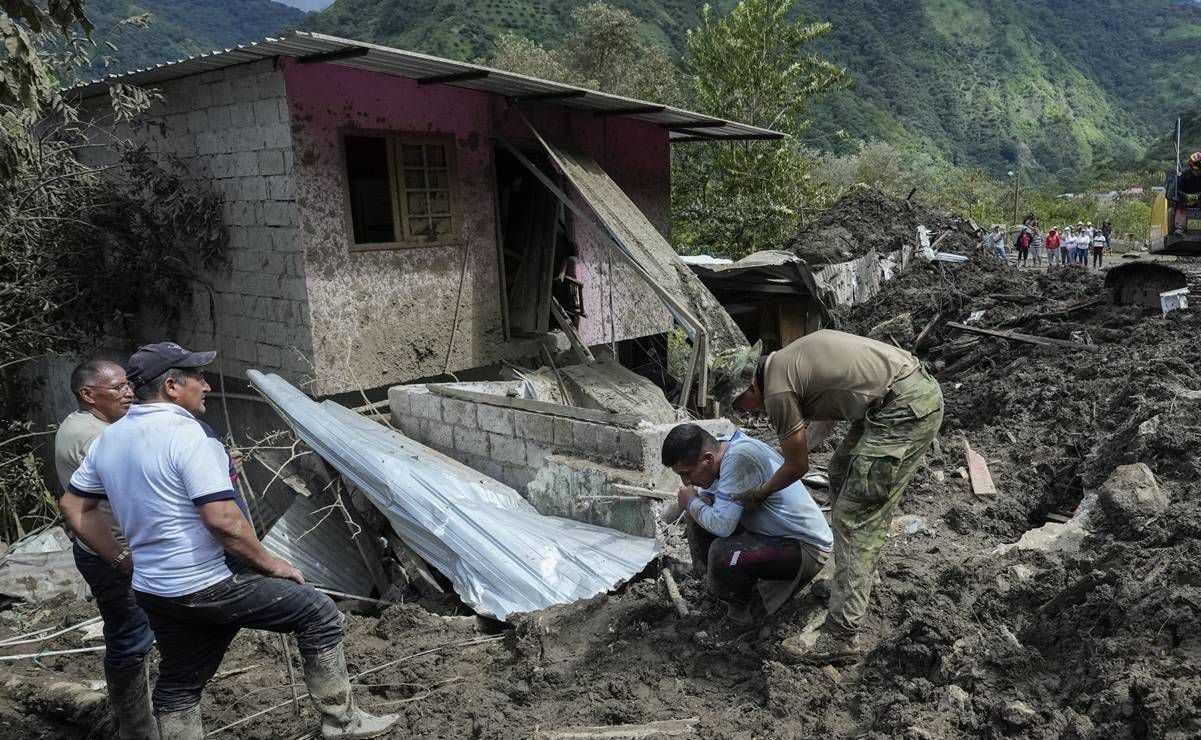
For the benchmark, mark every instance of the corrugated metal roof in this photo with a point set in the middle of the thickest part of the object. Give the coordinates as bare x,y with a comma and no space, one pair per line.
684,125
317,541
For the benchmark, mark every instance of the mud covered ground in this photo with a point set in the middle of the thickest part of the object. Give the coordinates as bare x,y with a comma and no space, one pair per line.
962,642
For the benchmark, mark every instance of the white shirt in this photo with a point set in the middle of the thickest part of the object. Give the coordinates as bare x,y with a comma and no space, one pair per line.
156,466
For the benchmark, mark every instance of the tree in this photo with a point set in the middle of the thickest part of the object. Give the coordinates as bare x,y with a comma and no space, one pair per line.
83,248
604,50
753,66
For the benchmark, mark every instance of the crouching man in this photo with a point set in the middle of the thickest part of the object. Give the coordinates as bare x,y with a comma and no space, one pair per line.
784,542
168,484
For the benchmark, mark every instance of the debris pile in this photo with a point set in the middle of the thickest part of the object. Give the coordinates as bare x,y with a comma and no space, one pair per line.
867,219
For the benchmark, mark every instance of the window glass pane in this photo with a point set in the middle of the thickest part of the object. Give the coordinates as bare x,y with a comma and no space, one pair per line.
414,179
435,155
370,189
420,228
439,179
418,205
412,156
441,228
440,203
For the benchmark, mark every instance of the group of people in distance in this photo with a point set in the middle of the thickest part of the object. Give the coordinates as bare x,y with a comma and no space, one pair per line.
1067,246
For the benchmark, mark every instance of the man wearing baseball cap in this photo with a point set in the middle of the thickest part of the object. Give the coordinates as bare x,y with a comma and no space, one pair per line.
895,409
168,484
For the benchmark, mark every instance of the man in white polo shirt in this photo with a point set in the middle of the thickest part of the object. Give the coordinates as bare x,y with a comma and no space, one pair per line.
168,484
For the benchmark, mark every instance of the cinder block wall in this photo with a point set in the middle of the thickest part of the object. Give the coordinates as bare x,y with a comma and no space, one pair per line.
231,129
551,460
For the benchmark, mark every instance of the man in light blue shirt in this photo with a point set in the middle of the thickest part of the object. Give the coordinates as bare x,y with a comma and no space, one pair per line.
785,540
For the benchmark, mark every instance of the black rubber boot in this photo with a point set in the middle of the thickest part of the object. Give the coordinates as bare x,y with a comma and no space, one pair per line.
129,697
184,724
329,687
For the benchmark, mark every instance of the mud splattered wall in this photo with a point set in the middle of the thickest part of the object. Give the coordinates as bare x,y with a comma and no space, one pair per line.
387,316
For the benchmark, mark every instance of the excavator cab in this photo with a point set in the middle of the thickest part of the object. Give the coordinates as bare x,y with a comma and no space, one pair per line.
1166,238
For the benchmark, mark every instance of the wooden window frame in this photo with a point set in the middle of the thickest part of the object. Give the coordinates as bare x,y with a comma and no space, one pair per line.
393,141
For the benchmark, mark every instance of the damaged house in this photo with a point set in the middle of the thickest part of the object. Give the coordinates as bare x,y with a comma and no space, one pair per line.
396,219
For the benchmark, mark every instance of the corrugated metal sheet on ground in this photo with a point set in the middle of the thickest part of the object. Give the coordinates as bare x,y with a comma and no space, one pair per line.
648,247
316,540
502,556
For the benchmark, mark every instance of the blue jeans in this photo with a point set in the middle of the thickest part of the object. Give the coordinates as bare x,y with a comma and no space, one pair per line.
194,630
127,635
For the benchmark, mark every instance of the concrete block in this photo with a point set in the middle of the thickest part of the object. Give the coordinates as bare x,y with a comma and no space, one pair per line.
440,435
201,97
399,404
587,437
517,476
535,454
276,136
242,115
219,118
266,112
281,187
269,356
271,162
506,449
244,90
496,419
271,85
459,413
221,92
285,114
426,406
535,427
564,433
284,238
253,188
471,441
279,213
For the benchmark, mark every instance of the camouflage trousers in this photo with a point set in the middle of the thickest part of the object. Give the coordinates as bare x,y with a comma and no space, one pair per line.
868,475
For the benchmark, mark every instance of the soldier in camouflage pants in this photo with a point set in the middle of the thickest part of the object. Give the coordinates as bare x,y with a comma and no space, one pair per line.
868,473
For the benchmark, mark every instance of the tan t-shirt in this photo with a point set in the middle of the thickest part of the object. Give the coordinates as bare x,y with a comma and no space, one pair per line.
75,436
829,376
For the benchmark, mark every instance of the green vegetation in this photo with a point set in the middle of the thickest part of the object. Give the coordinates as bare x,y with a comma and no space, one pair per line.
1054,85
179,28
80,252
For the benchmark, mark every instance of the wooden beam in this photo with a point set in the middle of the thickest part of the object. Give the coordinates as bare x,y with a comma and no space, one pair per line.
660,728
626,421
633,110
564,322
553,95
332,56
1014,336
977,470
642,492
464,76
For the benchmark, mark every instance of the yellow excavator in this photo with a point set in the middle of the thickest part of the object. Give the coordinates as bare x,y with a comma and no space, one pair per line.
1172,234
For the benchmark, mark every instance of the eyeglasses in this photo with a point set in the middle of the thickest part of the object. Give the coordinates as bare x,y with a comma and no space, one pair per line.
119,388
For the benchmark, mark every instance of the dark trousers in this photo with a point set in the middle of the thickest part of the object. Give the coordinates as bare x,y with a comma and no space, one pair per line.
736,563
127,635
1098,253
194,630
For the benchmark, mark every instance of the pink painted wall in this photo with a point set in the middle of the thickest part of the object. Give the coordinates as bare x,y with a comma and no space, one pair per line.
385,317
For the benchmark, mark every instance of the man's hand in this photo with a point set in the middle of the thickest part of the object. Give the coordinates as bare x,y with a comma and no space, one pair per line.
752,498
280,568
685,495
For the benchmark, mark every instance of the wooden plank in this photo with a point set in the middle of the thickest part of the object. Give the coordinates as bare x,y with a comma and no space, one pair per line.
564,322
1014,336
661,728
673,593
643,492
627,421
978,473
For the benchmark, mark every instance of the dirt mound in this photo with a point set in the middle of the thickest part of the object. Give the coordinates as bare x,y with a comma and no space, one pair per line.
867,219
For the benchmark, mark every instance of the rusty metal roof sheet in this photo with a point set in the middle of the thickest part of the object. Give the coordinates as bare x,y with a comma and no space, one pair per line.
683,125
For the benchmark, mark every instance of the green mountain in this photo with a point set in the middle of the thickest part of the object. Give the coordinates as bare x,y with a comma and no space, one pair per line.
178,28
1052,83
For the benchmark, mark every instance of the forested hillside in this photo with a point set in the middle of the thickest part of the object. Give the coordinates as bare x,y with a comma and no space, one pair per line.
1056,83
180,28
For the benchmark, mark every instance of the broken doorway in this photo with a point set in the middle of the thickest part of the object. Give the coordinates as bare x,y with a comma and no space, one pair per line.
538,256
